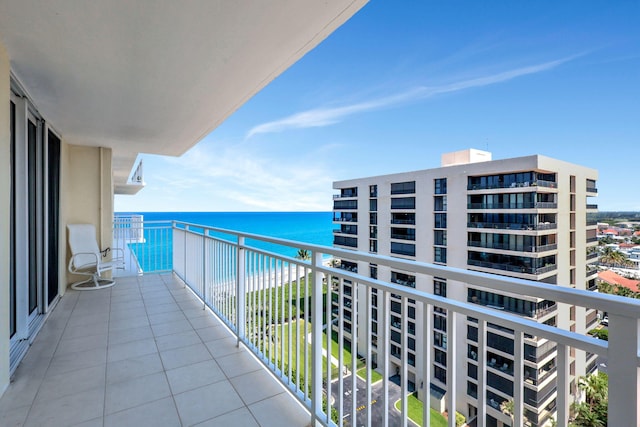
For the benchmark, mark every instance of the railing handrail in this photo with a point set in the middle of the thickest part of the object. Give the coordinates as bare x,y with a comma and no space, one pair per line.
582,298
196,241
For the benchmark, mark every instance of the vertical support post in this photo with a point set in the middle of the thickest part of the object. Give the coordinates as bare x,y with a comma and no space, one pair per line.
240,291
452,359
184,260
427,333
385,334
204,269
316,339
518,378
404,392
481,357
563,384
622,367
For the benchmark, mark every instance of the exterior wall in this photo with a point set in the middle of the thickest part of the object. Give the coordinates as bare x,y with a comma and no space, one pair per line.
5,215
457,236
87,187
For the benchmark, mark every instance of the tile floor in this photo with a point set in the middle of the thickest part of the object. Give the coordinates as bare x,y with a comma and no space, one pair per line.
142,353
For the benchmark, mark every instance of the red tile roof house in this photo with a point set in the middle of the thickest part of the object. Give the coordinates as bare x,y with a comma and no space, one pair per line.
625,231
617,280
628,246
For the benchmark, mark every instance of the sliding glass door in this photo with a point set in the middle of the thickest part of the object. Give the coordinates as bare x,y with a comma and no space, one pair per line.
35,174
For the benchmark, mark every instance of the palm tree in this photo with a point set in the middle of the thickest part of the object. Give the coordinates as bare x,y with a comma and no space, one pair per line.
614,258
303,254
593,411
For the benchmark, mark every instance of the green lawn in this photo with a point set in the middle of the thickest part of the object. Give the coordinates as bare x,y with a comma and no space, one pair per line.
347,358
415,412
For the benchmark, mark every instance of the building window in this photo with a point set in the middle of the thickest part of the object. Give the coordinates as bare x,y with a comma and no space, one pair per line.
440,186
440,287
440,374
373,191
439,322
403,218
373,218
403,203
373,231
345,241
349,192
440,255
403,187
373,271
345,204
403,249
440,203
403,279
373,205
440,339
403,233
440,357
373,245
440,237
440,220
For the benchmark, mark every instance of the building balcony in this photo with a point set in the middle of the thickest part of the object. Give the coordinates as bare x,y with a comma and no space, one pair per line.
346,230
345,218
513,226
512,267
592,206
516,248
531,205
145,350
592,190
345,196
351,242
523,184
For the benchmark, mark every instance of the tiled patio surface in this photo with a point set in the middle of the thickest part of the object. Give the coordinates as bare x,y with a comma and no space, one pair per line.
142,353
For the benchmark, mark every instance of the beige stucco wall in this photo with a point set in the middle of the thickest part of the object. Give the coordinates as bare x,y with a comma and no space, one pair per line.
5,198
87,193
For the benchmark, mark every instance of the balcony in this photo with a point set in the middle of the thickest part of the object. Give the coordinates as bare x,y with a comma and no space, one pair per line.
522,184
512,267
146,350
527,205
142,352
509,247
346,217
512,226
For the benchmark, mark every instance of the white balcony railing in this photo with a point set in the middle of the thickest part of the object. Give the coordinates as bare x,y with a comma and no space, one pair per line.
277,306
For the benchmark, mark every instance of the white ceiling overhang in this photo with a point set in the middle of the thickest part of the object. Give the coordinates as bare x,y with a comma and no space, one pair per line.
148,76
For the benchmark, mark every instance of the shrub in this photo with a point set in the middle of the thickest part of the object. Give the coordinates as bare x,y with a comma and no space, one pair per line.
601,334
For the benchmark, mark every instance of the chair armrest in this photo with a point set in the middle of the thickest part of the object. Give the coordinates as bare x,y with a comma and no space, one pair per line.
119,250
72,267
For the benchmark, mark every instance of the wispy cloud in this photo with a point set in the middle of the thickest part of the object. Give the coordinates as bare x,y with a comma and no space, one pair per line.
238,178
320,117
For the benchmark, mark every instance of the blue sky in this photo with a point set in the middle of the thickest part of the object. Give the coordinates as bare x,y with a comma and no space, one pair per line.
404,81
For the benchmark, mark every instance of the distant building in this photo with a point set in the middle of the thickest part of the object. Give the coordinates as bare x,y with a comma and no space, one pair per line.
528,217
615,279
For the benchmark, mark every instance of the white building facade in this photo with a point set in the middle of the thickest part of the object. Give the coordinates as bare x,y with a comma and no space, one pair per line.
526,217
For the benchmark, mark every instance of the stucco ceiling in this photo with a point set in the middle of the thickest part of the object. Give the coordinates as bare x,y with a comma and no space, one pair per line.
148,76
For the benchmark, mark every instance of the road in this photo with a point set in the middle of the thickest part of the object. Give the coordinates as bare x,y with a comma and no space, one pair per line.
377,407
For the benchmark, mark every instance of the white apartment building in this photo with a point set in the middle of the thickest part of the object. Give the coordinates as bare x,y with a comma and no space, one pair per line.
527,218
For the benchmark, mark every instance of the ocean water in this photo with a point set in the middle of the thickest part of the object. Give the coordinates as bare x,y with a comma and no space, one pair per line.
306,227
